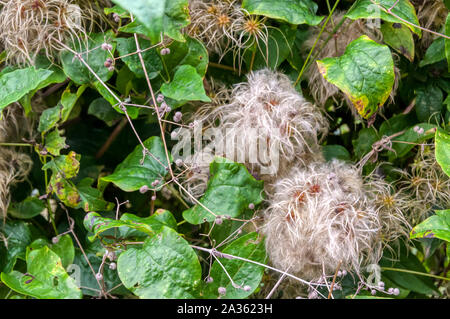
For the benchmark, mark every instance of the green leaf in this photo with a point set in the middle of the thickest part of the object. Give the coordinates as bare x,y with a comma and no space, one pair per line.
54,142
164,267
159,16
190,52
118,10
187,85
366,9
58,76
88,283
95,58
231,188
402,144
66,166
291,11
101,109
151,58
63,248
365,73
400,38
91,198
132,173
28,208
160,218
45,277
18,235
243,273
396,124
129,225
403,259
60,113
132,111
436,226
335,151
363,144
429,103
83,196
16,84
442,141
435,53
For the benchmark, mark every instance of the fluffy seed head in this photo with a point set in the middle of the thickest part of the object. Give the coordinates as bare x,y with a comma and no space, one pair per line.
29,27
225,26
267,125
319,218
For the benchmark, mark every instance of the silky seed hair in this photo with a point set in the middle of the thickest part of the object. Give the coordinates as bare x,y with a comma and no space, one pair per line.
268,107
268,112
224,26
427,183
320,218
31,27
211,23
15,165
392,205
431,15
321,90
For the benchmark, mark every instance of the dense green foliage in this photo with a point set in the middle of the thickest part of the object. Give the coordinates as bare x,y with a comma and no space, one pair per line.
104,210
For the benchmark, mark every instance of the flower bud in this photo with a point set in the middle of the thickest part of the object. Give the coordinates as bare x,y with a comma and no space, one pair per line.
165,51
219,220
222,290
179,162
144,189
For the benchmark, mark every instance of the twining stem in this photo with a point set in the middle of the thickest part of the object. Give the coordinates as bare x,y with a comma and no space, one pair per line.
16,144
228,256
144,68
330,294
252,60
177,195
315,43
415,273
224,67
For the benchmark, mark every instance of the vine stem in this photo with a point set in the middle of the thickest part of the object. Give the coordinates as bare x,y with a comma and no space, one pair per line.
414,272
228,256
16,144
147,78
389,11
315,43
224,67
